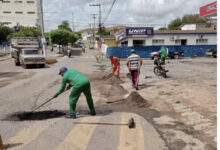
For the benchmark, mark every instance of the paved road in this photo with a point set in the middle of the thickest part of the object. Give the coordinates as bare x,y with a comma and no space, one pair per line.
24,89
64,134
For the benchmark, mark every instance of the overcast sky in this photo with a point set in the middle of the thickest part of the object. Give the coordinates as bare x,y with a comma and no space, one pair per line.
156,13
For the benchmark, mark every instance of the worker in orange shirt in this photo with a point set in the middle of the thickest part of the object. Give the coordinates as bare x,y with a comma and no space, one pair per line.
115,62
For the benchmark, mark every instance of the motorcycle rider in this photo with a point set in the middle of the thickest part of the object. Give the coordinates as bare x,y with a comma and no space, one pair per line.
163,55
69,53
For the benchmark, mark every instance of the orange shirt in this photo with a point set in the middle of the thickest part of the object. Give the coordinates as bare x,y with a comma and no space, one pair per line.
115,61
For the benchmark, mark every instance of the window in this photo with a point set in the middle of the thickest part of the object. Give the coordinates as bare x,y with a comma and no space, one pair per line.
19,12
125,43
6,12
201,41
5,1
30,2
178,42
138,42
18,1
158,42
31,12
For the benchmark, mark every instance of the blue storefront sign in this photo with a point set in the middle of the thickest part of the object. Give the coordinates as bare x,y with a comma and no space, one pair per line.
135,32
139,31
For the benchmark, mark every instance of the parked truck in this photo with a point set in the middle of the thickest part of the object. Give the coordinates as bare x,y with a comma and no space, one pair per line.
26,51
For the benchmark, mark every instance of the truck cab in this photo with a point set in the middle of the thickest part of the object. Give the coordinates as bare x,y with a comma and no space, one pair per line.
31,56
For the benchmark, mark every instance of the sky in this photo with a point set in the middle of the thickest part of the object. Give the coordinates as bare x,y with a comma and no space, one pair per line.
151,13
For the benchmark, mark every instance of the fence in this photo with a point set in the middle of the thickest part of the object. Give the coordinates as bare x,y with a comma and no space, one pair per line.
144,52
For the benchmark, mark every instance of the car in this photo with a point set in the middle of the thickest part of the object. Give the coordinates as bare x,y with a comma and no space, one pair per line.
171,54
211,53
175,54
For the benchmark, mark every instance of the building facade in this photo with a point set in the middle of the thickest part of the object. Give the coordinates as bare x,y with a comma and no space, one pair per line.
22,12
145,40
171,37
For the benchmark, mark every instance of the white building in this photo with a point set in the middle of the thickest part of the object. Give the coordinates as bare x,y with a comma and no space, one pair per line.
171,37
22,12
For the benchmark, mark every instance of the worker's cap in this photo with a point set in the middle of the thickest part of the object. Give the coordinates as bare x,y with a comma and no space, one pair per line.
63,69
132,51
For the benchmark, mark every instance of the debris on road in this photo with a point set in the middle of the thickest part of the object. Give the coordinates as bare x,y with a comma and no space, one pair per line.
50,60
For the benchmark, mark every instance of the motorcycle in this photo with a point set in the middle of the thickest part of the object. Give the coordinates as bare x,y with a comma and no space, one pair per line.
159,70
69,53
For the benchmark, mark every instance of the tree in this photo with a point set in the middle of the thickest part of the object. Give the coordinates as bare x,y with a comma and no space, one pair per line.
187,19
60,37
193,19
28,32
4,32
174,25
65,25
73,37
162,28
104,31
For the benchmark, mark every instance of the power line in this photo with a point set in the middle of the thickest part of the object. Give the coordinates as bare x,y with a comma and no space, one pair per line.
109,12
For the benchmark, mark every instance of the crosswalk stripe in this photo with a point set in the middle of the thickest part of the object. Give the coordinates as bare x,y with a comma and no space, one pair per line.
29,134
78,138
131,139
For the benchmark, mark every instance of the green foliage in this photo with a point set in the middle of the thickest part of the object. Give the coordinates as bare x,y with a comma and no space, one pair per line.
193,19
208,25
4,33
73,37
104,31
65,25
163,28
46,35
28,32
63,37
79,35
187,19
59,36
174,25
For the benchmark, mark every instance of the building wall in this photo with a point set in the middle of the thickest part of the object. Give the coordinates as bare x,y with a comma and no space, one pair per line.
111,43
144,51
24,12
175,39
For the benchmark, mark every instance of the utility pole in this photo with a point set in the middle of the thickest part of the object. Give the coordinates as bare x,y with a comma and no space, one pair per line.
100,17
73,20
42,28
94,16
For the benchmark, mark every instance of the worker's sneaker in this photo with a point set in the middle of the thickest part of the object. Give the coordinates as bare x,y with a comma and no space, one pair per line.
70,116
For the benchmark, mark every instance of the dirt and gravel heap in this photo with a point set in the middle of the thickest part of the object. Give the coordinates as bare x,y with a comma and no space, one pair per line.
135,99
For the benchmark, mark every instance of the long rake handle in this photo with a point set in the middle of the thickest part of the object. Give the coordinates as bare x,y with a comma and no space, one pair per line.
101,123
42,104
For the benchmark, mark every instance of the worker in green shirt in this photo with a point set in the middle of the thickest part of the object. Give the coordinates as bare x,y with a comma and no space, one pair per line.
79,84
163,54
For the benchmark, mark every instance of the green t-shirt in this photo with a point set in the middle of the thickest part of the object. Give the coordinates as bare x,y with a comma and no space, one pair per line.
163,53
74,78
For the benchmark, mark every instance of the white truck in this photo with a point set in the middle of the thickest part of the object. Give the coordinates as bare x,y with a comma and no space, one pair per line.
26,51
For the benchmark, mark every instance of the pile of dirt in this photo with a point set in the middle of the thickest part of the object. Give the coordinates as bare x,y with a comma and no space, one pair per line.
113,80
109,90
95,77
134,99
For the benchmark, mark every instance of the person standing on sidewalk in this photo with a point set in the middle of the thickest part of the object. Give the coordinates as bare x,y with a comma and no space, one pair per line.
79,84
134,63
115,63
